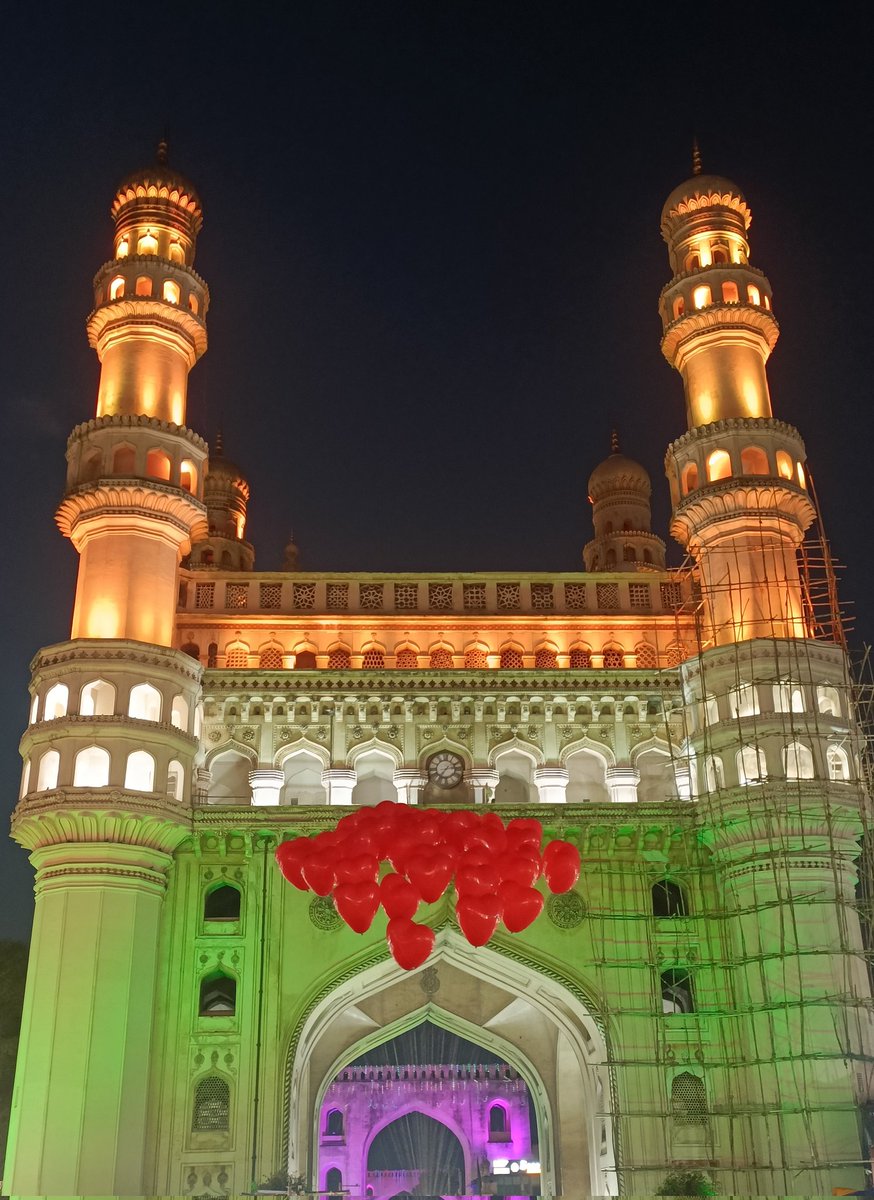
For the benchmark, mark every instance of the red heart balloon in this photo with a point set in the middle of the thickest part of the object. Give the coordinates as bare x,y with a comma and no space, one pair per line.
430,871
478,917
409,943
522,867
522,905
480,879
360,869
357,904
398,896
291,856
490,832
529,827
318,871
405,845
561,866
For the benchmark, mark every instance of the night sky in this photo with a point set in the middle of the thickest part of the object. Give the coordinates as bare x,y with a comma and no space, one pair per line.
431,237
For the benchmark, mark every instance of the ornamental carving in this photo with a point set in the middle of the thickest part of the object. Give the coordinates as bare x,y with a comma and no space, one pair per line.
566,911
323,914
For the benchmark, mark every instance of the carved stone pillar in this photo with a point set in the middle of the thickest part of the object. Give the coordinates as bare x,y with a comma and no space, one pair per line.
551,783
409,783
266,786
622,782
339,782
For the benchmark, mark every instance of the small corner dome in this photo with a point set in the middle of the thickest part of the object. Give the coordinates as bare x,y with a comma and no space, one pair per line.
618,473
707,188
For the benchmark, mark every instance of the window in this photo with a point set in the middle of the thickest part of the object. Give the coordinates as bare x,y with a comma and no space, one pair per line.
743,700
188,476
753,294
838,764
718,465
827,700
193,304
34,709
237,657
798,761
139,774
305,660
177,254
441,659
645,657
56,702
545,659
720,256
690,478
144,703
373,659
754,461
370,595
677,996
338,659
175,781
334,1180
191,649
785,465
171,291
218,996
147,244
614,659
668,899
701,296
802,479
334,1123
143,286
270,658
511,658
750,765
476,659
49,765
211,1106
688,1099
116,288
222,903
124,460
639,595
711,710
788,697
179,713
629,554
679,307
499,1124
123,248
580,659
730,293
406,659
714,773
91,768
158,464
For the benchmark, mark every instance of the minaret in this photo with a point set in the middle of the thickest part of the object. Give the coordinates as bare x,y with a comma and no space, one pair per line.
737,476
111,747
619,492
226,496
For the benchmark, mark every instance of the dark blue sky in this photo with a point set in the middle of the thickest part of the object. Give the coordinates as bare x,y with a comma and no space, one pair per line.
431,235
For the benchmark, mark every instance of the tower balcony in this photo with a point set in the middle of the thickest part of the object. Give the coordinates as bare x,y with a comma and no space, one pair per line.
136,447
709,319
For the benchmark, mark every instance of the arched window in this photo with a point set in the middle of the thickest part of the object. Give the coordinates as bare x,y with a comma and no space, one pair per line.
198,719
212,654
629,554
218,995
714,773
730,293
679,307
188,476
677,995
802,478
193,304
147,244
441,659
827,700
750,765
143,286
788,697
580,658
754,461
690,478
92,468
743,700
718,465
25,778
608,526
338,659
222,903
229,779
511,658
406,659
237,657
499,1124
645,657
614,658
668,899
34,709
545,659
373,659
270,658
711,710
56,702
191,649
334,1123
212,1105
124,460
49,765
123,248
305,660
688,1099
175,781
720,255
179,713
838,764
785,465
144,703
158,465
139,773
701,297
610,557
753,294
171,291
177,254
798,761
476,659
693,262
116,288
334,1180
91,767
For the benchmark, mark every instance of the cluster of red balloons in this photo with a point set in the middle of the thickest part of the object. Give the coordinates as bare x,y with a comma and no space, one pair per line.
493,866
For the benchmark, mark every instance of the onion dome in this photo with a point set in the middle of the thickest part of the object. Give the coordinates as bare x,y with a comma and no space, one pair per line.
159,180
221,468
618,473
291,555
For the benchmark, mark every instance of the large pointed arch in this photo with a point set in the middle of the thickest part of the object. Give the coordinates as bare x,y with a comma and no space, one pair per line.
442,1118
302,745
519,744
375,745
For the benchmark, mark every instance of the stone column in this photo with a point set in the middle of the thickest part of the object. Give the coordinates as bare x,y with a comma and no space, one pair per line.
266,786
483,781
410,784
339,782
622,782
551,783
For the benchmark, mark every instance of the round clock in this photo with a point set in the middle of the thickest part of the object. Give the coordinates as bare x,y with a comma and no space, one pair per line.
445,769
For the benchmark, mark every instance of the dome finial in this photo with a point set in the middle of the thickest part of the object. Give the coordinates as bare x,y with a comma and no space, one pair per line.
614,441
696,157
219,442
163,147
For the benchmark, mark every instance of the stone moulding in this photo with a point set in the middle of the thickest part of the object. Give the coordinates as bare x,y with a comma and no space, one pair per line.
136,421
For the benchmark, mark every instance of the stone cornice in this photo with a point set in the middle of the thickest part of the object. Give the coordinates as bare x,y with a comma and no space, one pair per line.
136,421
681,276
100,815
392,681
124,316
121,653
765,501
113,497
731,425
116,266
716,316
120,722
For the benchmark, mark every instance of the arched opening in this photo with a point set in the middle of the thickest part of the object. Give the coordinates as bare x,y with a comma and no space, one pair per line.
188,476
657,782
179,713
545,659
222,903
515,778
476,658
701,296
124,460
719,256
143,286
175,780
689,478
303,779
587,778
441,659
270,658
193,304
218,995
191,649
147,243
753,294
212,1105
688,1099
91,767
123,248
798,761
511,658
714,773
718,465
158,465
92,467
236,656
785,465
679,307
373,659
827,700
499,1123
338,659
668,899
305,660
229,779
56,702
838,764
177,254
677,994
334,1180
375,770
580,658
628,553
406,659
788,697
743,700
754,461
613,658
49,765
144,703
730,293
422,1148
116,288
334,1123
802,478
751,765
139,774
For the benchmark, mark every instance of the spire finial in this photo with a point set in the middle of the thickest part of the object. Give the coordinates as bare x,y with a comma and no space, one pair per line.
219,442
163,146
614,441
696,157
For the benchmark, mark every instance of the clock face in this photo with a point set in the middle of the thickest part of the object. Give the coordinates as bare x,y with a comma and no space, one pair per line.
445,769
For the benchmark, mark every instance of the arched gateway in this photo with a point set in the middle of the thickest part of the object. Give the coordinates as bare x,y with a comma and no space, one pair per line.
532,1020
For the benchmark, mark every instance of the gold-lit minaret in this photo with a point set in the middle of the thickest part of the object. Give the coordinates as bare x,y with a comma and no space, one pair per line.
738,484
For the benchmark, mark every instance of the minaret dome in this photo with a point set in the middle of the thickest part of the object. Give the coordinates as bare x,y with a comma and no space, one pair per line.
619,491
